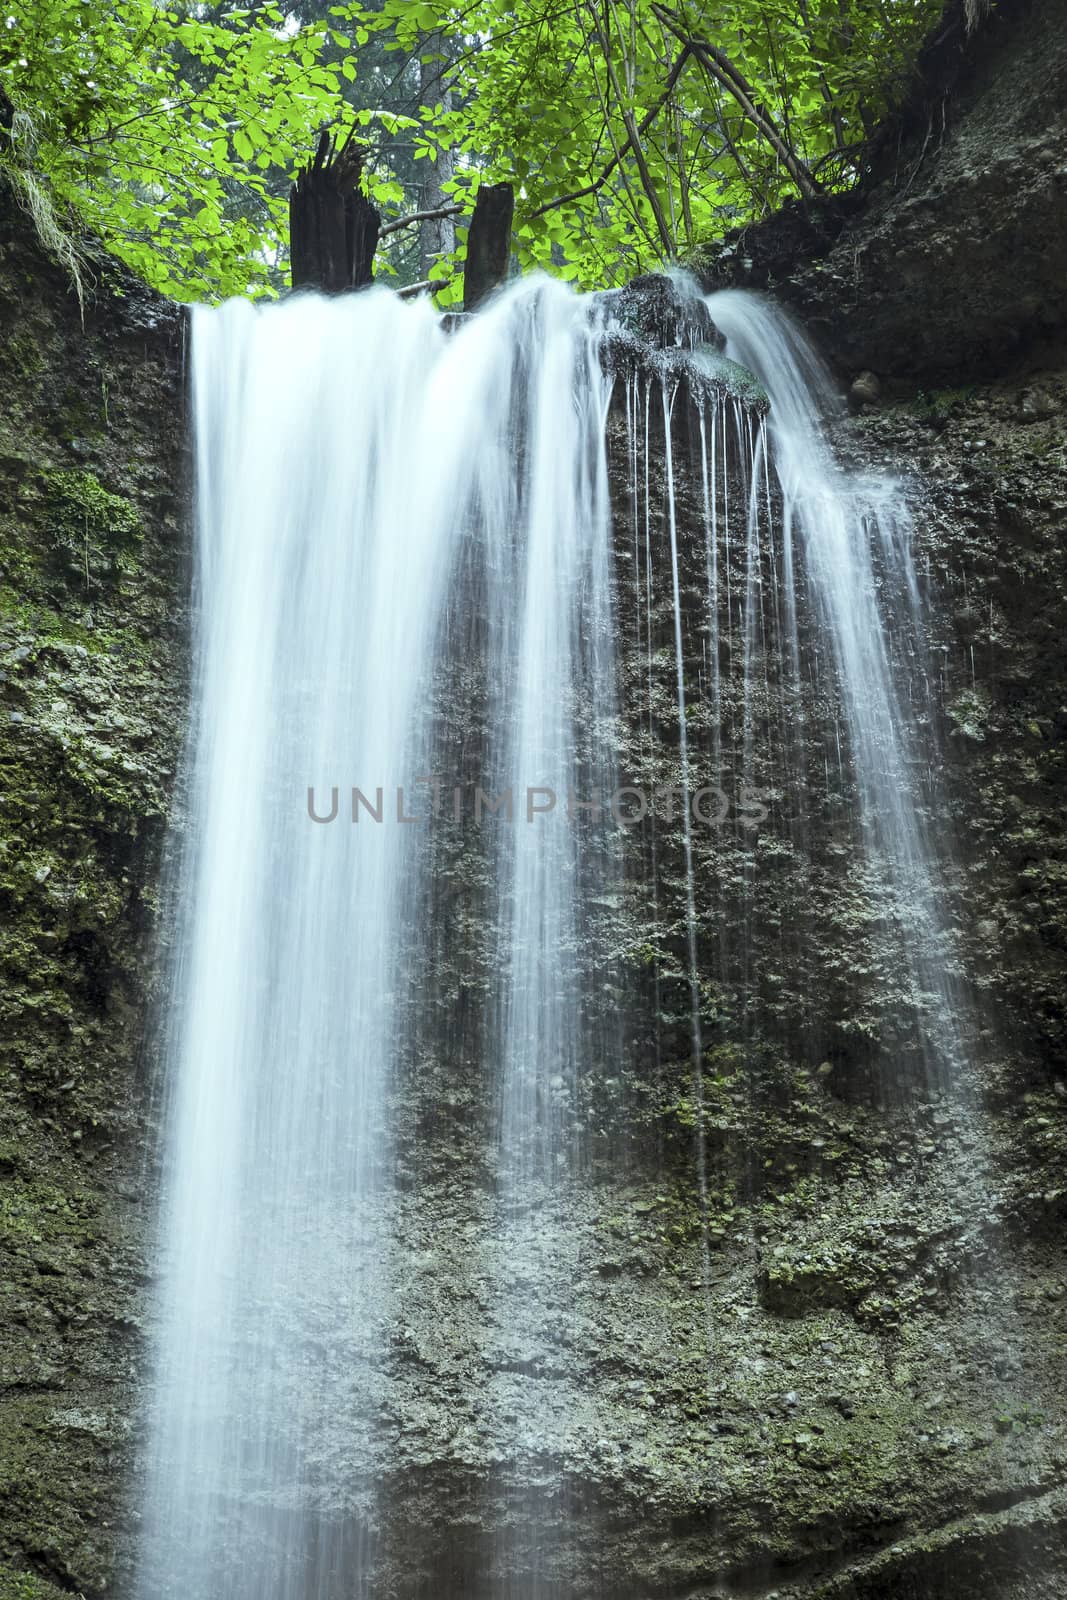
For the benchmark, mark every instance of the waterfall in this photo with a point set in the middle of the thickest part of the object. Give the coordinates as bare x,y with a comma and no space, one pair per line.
552,647
845,542
375,499
321,569
401,847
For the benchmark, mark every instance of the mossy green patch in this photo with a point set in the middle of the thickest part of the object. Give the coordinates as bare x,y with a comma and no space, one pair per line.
939,405
27,1586
95,532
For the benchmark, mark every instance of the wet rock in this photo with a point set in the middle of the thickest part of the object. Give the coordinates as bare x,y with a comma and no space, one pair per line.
93,540
659,327
664,312
866,390
1037,405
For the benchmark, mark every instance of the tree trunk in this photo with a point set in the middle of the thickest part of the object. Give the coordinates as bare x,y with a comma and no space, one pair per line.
437,235
333,228
488,243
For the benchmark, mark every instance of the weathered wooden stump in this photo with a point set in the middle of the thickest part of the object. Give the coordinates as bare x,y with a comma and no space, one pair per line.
333,227
488,243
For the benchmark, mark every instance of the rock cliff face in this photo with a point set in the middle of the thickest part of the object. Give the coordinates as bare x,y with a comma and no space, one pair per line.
871,1402
949,265
93,587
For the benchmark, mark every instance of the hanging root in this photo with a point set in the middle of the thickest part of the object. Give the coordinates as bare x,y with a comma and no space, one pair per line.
974,11
34,196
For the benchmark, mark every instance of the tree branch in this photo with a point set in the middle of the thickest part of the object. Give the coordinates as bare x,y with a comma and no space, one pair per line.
431,285
420,216
633,138
646,122
719,67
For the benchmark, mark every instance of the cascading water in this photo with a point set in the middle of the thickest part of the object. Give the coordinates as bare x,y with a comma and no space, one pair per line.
321,570
395,522
363,481
806,619
550,563
848,539
551,697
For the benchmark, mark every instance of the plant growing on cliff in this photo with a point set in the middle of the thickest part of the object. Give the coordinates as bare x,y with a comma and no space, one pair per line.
637,130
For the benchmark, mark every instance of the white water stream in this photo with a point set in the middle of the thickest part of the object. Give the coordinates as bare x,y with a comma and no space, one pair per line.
348,454
847,539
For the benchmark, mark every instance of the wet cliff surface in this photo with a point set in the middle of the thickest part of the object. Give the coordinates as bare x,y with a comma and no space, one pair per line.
93,601
867,1396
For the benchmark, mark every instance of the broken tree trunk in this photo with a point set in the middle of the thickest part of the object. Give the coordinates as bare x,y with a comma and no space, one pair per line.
333,228
488,243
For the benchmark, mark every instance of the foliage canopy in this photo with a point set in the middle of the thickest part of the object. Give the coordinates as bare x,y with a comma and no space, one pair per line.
636,130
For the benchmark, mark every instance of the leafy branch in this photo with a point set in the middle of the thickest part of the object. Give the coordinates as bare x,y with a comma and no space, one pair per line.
722,70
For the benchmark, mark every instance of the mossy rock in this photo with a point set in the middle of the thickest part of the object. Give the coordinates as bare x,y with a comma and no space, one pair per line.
730,376
27,1586
95,533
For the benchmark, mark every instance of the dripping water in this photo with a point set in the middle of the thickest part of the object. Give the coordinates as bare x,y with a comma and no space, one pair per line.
848,540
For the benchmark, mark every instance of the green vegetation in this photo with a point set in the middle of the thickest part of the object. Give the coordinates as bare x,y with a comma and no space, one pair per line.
25,1586
942,404
636,131
90,526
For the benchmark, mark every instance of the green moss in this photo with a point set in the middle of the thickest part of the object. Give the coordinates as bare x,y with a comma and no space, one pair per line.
22,355
969,714
26,1586
737,381
939,405
96,533
38,1213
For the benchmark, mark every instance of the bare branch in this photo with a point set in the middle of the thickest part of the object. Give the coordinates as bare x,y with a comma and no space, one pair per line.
428,285
420,216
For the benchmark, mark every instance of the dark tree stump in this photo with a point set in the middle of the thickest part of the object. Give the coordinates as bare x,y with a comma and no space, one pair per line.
488,243
333,228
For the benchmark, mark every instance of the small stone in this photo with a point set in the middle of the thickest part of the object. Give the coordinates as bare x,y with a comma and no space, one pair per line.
866,390
1036,405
